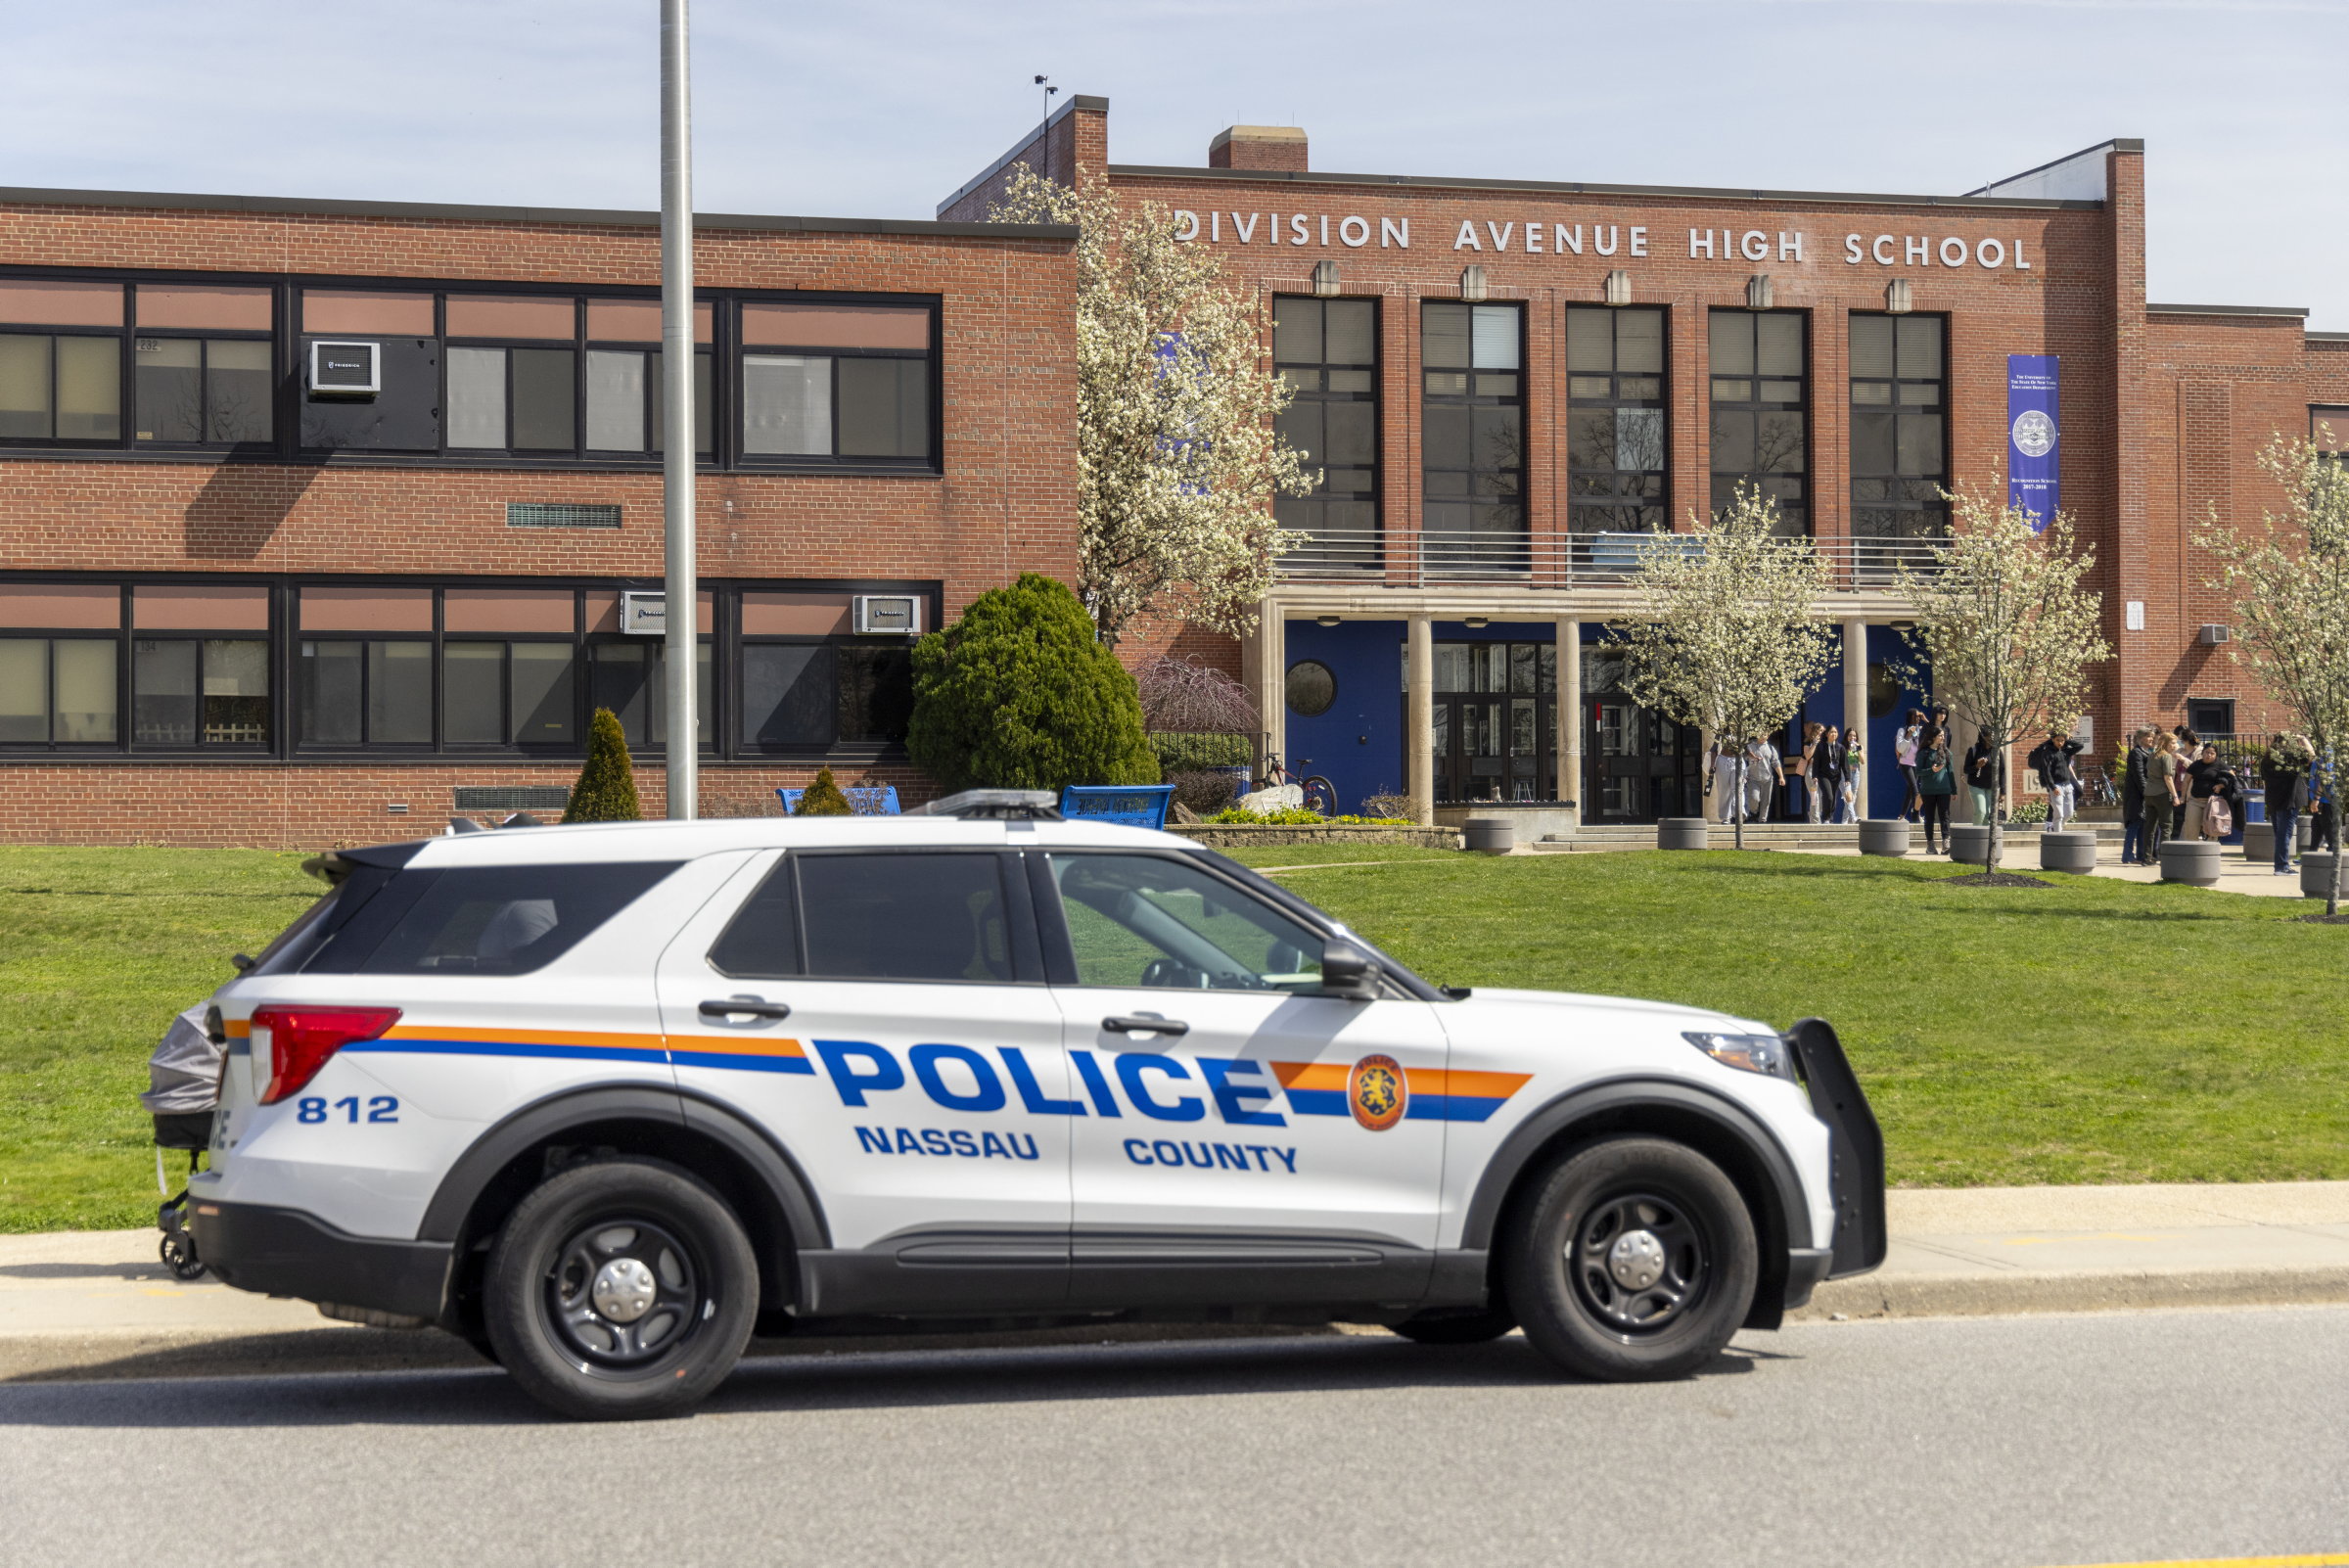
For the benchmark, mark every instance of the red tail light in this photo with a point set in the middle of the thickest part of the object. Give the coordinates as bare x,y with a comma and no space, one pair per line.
301,1039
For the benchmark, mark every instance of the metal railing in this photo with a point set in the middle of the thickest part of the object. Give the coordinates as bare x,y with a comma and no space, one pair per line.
1372,556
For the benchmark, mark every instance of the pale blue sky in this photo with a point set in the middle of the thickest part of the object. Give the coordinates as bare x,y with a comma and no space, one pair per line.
881,108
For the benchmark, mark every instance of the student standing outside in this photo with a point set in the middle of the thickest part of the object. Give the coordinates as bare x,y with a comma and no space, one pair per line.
2162,797
1981,781
2136,758
1936,783
2188,747
2052,757
1827,776
1805,769
1855,775
1765,776
2208,779
2284,774
1724,783
1905,742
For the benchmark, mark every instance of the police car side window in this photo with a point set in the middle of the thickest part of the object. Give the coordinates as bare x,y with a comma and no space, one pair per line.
1152,921
763,939
483,920
904,915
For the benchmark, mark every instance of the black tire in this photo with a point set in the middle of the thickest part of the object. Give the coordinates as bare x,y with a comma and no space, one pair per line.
1458,1328
1631,1259
621,1289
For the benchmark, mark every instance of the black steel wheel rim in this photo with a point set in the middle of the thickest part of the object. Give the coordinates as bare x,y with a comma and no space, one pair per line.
622,1293
1640,1262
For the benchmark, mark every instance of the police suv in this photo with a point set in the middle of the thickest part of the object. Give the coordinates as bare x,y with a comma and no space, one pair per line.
605,1100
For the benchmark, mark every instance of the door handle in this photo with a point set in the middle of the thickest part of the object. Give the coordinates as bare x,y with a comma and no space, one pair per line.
1144,1024
744,1007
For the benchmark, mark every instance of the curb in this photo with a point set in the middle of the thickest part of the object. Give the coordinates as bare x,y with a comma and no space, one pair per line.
2008,1294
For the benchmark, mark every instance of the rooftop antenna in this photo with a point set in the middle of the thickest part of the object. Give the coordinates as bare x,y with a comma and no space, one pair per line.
1043,131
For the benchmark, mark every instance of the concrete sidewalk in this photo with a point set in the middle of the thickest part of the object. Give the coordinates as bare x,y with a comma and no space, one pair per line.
98,1303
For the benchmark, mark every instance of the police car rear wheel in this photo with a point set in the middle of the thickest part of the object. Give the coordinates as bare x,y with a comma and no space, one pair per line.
1633,1259
621,1288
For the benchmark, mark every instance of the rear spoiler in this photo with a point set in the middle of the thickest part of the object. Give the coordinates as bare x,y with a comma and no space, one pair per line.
335,866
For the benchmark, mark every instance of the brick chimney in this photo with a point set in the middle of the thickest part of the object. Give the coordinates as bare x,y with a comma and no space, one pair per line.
1279,147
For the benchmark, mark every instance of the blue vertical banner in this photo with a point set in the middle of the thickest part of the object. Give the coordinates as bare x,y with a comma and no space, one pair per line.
2033,449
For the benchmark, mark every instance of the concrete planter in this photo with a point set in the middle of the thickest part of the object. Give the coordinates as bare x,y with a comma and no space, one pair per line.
1886,837
1682,833
1490,835
1970,845
2259,838
2193,862
2074,853
2316,874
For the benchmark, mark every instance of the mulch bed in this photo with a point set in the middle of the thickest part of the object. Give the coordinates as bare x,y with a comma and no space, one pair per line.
2320,918
1994,879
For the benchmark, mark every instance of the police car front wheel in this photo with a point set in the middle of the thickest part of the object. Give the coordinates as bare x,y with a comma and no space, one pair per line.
621,1288
1631,1259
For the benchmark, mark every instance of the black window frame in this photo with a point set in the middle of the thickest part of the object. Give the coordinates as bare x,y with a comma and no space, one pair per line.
1352,543
49,637
1799,512
2336,416
1455,770
119,335
1476,546
133,635
836,461
1651,502
1905,506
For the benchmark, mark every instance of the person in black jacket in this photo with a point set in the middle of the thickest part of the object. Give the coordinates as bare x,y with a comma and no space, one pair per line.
2134,760
2284,774
2052,757
1981,771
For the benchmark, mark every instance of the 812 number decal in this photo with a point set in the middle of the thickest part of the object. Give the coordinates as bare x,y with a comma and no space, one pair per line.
379,1107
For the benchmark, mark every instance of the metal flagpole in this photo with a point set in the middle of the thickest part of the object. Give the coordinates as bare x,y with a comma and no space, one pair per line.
679,447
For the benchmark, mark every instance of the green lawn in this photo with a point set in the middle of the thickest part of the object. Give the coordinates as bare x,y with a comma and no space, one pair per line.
2095,1031
2090,1032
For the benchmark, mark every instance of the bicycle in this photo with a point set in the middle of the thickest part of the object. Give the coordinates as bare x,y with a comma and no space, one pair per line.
1321,795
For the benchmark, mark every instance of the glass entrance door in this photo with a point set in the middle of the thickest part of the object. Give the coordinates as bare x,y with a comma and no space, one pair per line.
1638,764
1496,722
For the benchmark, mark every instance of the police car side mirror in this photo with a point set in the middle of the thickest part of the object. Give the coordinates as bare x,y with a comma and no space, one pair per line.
1348,973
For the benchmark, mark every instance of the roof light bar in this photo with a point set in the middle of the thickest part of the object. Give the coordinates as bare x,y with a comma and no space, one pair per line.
1002,806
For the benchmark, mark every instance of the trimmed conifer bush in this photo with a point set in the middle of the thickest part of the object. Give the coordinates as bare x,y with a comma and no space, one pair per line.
823,797
607,788
1019,694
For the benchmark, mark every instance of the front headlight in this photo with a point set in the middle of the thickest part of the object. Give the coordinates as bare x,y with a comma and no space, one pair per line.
1755,1053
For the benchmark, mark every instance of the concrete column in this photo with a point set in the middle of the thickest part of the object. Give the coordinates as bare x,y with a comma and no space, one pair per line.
1274,704
1570,714
1420,717
1854,704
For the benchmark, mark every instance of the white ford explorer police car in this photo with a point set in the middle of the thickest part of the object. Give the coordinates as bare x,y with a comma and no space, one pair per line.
603,1100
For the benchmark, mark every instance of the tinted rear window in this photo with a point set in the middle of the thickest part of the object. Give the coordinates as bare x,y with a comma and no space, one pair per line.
487,920
904,916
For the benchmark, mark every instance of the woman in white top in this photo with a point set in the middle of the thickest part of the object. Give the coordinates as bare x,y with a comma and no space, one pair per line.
1904,742
1725,778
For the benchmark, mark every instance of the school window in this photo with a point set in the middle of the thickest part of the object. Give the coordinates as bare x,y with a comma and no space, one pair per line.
187,663
835,382
1328,352
806,686
1473,428
58,691
2329,428
1616,473
1758,361
202,366
1900,417
61,362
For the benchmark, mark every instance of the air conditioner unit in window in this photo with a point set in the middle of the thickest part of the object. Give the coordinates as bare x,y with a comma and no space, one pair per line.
347,369
888,615
2214,635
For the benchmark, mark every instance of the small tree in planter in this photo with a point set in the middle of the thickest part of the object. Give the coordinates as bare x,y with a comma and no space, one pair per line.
1020,694
2004,626
823,797
1728,639
2291,585
607,788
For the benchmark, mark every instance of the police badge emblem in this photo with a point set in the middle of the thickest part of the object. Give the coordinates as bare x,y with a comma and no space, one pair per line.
1378,1092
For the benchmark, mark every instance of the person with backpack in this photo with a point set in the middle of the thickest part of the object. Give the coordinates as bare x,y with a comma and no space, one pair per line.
2211,792
2284,774
1936,783
2052,757
2135,760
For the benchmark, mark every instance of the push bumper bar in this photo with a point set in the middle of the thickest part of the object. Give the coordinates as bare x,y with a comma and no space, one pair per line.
1856,1174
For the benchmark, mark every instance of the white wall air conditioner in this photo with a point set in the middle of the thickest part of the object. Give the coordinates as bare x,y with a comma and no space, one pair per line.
2214,635
347,369
644,612
887,614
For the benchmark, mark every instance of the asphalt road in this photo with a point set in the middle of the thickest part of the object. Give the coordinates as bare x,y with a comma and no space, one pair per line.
1976,1442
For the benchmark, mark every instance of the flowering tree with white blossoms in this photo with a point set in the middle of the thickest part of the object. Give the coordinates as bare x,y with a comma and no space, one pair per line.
1177,460
2003,627
1730,637
2290,586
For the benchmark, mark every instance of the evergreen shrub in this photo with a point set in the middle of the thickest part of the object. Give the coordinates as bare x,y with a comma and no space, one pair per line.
823,797
1190,752
607,788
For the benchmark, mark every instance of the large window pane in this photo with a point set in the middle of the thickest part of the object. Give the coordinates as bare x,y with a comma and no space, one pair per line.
23,691
543,400
543,694
705,399
236,692
619,677
240,391
24,389
477,398
1495,337
883,408
170,384
89,389
400,693
474,690
86,690
876,692
1760,427
786,405
616,401
328,692
788,694
1900,462
163,693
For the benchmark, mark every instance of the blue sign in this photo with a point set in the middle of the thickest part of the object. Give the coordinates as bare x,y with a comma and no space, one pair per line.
2033,451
